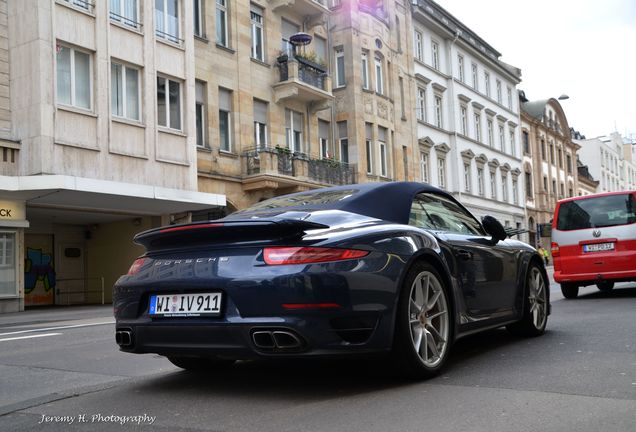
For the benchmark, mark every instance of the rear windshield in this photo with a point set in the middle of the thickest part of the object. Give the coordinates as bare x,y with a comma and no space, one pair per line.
314,199
603,211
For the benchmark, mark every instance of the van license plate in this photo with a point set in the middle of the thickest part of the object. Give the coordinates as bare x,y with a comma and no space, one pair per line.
598,247
185,305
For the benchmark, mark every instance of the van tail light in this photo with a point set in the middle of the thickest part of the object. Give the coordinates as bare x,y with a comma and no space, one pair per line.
309,255
555,250
134,268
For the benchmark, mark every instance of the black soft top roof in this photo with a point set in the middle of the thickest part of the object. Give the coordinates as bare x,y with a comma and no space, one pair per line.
389,201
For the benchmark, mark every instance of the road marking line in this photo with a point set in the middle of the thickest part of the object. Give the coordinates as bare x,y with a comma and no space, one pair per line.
57,328
30,337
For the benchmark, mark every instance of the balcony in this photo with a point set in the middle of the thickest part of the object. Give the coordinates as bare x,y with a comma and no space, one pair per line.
302,80
277,168
301,7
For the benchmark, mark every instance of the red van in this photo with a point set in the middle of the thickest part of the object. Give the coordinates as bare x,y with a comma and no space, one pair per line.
594,241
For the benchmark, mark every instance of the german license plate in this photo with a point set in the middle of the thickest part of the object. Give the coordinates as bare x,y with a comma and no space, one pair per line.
598,247
185,305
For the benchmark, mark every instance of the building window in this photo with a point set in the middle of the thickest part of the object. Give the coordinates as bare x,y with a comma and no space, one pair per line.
167,20
460,67
368,129
515,191
199,18
504,187
74,83
256,18
124,91
382,136
379,81
464,120
467,177
343,141
475,77
552,158
493,185
543,155
221,23
420,110
562,194
480,181
288,29
560,158
487,82
478,127
8,280
324,129
491,133
418,45
365,71
435,54
509,97
502,139
545,183
528,185
526,142
82,4
439,121
124,12
225,120
424,168
513,143
568,159
200,113
498,86
554,187
294,130
441,172
340,68
260,124
168,103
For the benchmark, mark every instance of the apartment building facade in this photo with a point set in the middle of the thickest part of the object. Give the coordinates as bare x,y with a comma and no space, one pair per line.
98,124
467,113
550,167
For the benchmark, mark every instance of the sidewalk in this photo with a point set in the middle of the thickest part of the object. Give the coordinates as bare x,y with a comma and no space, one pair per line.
51,314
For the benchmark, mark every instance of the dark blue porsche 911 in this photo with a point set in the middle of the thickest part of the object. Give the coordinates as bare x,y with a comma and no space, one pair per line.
396,268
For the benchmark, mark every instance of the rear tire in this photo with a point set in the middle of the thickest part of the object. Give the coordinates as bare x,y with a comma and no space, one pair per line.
605,286
200,363
423,327
536,305
569,291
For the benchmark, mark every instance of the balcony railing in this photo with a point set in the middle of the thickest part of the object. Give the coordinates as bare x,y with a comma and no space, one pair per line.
308,72
278,161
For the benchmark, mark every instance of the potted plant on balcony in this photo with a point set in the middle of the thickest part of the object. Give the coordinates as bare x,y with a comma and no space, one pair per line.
312,59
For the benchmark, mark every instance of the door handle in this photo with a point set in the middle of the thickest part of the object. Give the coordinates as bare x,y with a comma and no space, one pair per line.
464,255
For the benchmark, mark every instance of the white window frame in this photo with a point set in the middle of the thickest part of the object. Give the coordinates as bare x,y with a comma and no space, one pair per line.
341,78
257,27
292,145
121,18
467,177
475,75
509,89
504,187
72,84
365,70
379,76
439,112
418,45
441,172
491,132
480,181
498,85
125,68
384,168
513,142
221,14
425,168
167,106
460,67
515,192
435,54
198,5
202,106
163,34
3,256
420,109
81,4
477,120
487,82
370,159
502,138
493,185
463,115
230,127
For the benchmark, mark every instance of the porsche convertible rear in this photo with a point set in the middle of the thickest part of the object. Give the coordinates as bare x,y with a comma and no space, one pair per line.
254,288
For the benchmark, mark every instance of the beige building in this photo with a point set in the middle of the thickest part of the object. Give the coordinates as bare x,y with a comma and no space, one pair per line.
97,137
549,163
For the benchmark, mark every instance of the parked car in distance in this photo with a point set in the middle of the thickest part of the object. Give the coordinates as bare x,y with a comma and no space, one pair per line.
594,241
399,269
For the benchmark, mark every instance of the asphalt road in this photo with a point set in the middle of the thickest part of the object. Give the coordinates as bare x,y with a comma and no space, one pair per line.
60,370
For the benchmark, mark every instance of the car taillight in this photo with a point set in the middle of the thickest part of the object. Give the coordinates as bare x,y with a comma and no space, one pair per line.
308,255
555,249
190,227
134,268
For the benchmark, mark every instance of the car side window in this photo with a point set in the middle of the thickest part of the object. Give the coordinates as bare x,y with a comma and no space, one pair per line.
439,213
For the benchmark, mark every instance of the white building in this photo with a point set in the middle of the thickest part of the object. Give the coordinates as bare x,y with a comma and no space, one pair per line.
611,161
468,116
98,121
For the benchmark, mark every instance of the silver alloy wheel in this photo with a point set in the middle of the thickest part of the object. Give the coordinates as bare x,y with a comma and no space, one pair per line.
428,319
537,300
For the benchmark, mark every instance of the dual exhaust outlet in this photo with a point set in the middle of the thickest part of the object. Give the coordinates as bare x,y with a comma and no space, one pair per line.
123,338
276,340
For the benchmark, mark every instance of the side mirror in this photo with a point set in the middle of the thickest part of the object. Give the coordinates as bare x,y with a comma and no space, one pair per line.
494,228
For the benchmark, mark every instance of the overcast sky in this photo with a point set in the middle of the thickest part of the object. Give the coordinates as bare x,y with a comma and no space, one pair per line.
583,48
